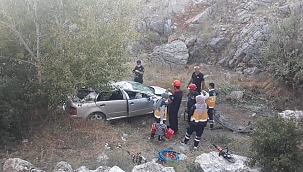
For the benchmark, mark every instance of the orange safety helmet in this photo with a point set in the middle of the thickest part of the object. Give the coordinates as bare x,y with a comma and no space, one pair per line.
176,83
192,86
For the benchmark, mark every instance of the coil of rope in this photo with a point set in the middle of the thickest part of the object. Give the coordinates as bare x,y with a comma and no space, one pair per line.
168,155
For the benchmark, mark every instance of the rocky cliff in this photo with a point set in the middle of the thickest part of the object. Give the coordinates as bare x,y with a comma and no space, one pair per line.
229,33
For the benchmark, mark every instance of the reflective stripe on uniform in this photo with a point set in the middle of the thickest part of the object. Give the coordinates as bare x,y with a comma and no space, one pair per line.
197,139
196,118
187,136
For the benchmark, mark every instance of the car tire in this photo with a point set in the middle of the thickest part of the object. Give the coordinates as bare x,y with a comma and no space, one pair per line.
96,116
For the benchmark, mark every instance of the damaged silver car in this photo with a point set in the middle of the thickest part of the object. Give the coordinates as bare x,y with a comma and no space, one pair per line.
128,99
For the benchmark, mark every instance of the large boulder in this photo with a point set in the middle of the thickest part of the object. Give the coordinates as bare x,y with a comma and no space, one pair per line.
172,55
289,9
292,115
216,44
63,166
236,95
99,169
211,162
158,25
19,165
115,169
152,167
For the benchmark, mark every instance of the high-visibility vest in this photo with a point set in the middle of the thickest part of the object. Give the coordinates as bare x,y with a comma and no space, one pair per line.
196,118
211,100
157,113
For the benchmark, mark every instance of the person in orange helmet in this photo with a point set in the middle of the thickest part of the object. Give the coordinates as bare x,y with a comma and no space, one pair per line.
191,98
174,105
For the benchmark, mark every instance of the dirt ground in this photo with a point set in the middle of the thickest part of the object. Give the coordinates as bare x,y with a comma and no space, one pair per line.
81,143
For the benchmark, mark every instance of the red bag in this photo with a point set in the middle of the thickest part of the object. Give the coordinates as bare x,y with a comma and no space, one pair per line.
153,128
169,133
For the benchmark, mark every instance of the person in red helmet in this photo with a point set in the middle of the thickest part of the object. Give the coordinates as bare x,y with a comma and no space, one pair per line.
191,99
174,105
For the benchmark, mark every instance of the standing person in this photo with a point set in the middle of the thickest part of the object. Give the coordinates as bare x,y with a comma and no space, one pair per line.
174,105
211,101
197,78
198,121
139,71
191,98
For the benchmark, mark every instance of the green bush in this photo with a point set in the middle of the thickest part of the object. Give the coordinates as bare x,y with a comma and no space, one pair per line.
49,49
283,56
275,145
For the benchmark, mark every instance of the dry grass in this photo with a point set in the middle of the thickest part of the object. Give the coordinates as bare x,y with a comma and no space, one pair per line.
80,142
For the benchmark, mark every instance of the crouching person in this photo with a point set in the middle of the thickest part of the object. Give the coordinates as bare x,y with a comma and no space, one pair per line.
198,120
160,113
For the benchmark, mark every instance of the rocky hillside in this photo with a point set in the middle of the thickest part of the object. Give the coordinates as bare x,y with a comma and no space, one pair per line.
229,33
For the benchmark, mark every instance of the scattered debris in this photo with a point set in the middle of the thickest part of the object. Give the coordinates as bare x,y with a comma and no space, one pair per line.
102,157
236,128
137,157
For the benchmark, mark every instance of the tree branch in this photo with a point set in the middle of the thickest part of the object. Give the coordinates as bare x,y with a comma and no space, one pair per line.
25,61
13,28
37,31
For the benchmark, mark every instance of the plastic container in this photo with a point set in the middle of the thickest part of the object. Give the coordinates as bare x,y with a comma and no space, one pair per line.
169,133
153,128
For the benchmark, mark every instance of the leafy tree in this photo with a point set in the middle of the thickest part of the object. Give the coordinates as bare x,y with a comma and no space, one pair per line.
284,54
49,48
275,145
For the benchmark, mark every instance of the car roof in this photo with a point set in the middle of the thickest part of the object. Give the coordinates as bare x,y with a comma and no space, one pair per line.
132,86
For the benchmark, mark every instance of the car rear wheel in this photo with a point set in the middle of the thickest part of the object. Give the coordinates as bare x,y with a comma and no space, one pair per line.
96,116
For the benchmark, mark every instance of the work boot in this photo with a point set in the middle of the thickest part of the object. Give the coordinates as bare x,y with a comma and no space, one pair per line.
182,143
211,126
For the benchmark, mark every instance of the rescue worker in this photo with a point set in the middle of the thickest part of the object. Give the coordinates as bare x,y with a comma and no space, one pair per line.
197,78
198,120
138,71
211,101
160,113
191,98
174,104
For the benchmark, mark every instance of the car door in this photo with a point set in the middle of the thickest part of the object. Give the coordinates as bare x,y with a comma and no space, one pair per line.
139,104
113,104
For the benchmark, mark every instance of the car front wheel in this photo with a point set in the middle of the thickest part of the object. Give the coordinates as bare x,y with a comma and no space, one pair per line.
96,116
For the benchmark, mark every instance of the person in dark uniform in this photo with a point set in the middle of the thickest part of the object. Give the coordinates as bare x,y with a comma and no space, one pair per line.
191,98
197,78
211,101
198,120
174,104
138,71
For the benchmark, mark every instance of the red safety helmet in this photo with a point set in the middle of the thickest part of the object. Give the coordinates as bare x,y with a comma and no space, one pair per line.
192,86
176,83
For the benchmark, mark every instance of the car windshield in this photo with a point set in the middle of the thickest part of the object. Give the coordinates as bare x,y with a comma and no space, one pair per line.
140,87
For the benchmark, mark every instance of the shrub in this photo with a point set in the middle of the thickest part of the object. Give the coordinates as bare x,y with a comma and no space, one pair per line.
275,145
283,56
